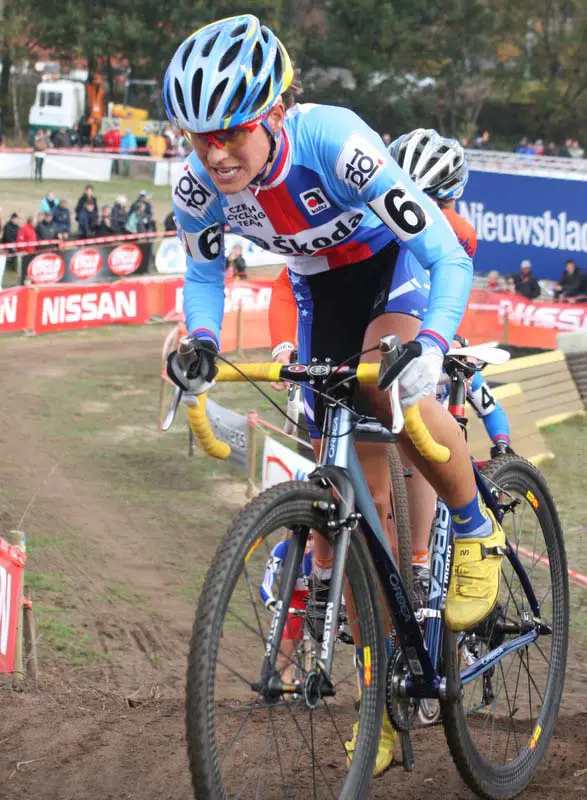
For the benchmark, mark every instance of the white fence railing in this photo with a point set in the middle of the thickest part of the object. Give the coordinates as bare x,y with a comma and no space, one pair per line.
528,164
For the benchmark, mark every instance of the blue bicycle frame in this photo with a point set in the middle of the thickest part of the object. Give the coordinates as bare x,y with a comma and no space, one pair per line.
341,467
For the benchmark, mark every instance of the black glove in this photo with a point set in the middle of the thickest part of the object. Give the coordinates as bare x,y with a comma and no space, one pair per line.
501,449
192,366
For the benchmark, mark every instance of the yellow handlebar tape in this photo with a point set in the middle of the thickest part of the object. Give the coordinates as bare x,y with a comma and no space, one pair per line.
422,439
203,431
256,372
368,373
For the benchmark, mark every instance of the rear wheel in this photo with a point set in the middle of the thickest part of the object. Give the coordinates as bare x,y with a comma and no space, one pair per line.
242,743
498,732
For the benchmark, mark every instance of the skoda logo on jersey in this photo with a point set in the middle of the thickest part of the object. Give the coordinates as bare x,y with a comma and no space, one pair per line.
210,242
191,193
259,242
314,201
321,238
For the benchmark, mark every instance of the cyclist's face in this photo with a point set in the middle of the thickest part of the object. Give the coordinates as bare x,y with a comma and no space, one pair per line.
235,157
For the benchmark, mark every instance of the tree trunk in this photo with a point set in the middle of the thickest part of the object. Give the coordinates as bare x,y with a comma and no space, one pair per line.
4,87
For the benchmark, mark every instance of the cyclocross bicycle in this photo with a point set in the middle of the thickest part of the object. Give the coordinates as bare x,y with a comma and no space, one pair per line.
499,685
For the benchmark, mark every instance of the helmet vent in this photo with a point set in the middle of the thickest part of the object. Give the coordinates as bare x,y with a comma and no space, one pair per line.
261,98
207,48
197,91
257,59
187,53
278,66
229,56
215,99
265,34
238,31
180,99
238,97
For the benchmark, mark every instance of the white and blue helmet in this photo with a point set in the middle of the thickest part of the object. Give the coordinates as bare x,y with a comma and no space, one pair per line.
437,165
225,74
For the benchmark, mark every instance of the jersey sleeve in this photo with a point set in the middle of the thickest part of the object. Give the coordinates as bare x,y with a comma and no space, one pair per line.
488,409
283,311
358,169
200,227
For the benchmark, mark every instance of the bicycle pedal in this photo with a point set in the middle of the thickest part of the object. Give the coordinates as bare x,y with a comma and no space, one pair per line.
407,752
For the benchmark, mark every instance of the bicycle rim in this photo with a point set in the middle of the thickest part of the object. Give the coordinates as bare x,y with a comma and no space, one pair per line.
240,744
499,731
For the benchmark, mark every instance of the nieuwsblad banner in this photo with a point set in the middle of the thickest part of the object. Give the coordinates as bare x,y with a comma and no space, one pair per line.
518,216
90,263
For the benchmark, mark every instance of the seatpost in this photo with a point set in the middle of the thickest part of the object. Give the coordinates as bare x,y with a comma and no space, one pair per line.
457,398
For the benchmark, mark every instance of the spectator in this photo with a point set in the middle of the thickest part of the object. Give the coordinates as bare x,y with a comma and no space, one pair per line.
145,198
60,138
10,230
26,234
386,139
525,282
170,141
88,219
62,220
538,147
45,228
111,140
571,283
524,147
87,195
40,145
49,203
119,215
74,136
551,150
105,225
576,150
236,266
565,151
128,145
156,145
495,282
139,220
169,224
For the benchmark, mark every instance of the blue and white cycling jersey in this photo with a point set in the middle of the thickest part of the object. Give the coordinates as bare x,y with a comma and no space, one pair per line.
273,570
334,197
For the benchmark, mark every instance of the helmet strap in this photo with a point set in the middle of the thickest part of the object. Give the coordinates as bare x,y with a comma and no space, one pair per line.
261,178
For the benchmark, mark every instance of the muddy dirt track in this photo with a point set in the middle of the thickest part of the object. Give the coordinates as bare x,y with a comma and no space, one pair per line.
114,729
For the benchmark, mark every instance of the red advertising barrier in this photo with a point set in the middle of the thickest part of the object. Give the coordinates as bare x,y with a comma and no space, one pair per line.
13,309
69,308
508,317
11,563
490,316
249,296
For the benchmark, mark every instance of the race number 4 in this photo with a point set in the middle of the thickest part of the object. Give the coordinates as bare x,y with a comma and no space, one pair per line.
402,214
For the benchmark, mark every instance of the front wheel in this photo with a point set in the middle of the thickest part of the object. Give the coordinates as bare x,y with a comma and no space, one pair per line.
241,742
498,732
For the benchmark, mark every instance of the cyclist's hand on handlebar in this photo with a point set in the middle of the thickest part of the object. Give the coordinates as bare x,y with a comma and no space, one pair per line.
282,357
192,366
422,374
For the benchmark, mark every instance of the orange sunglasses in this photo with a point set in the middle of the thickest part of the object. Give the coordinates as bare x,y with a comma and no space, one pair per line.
232,138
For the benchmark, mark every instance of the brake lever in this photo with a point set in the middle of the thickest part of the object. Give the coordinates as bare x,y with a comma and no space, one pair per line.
172,410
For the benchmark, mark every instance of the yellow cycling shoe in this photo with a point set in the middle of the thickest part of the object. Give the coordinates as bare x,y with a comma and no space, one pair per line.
385,750
476,574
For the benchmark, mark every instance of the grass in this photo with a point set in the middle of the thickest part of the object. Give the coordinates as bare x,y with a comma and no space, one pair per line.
565,476
24,196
